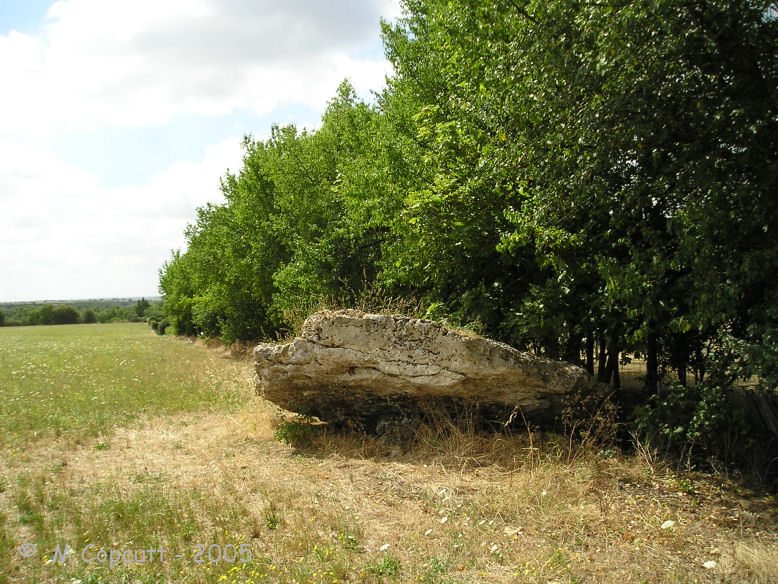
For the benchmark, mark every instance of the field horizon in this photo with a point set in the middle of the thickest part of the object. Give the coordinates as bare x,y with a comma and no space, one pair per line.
154,454
68,300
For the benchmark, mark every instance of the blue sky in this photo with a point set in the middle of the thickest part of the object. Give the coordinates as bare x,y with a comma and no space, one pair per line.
22,15
118,117
121,156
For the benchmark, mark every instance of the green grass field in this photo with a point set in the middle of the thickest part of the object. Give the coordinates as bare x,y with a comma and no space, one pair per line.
82,380
118,444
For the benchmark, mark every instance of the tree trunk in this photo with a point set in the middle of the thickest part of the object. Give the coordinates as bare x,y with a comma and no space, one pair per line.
590,352
616,375
652,366
573,349
682,373
602,372
612,367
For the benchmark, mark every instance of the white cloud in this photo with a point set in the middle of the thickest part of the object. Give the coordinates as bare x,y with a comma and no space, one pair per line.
88,236
114,64
123,63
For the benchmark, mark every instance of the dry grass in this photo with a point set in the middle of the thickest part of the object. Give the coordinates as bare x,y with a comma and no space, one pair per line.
451,505
372,299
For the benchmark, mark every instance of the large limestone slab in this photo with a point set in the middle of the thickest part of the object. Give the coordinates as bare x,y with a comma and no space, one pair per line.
362,369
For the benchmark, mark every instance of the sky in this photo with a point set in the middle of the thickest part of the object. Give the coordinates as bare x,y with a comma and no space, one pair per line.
119,117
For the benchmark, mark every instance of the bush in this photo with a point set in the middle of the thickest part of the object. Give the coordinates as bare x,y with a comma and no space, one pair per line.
697,424
298,432
66,315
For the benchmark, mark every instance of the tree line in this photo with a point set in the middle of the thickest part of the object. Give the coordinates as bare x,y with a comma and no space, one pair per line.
79,312
590,181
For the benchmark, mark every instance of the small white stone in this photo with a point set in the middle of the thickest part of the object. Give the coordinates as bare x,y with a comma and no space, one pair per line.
668,524
709,565
384,547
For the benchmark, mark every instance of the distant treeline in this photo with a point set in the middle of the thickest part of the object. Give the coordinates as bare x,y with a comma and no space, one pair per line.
80,311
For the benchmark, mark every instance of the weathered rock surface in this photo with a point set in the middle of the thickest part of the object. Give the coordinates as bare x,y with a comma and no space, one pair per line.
352,367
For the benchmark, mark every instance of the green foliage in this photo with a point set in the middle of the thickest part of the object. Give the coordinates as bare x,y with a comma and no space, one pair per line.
141,306
696,422
2,318
293,228
566,175
116,314
66,315
86,311
754,351
298,432
272,516
162,326
598,146
44,315
388,566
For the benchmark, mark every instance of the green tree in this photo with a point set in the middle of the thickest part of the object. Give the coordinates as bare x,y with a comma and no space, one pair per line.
116,314
455,65
2,318
45,314
659,161
32,317
66,315
612,149
323,197
562,172
89,316
293,229
140,307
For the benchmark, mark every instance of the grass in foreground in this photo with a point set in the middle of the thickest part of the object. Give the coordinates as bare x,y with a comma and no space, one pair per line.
453,506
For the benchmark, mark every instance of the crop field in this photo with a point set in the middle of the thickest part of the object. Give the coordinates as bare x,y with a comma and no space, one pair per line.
128,457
